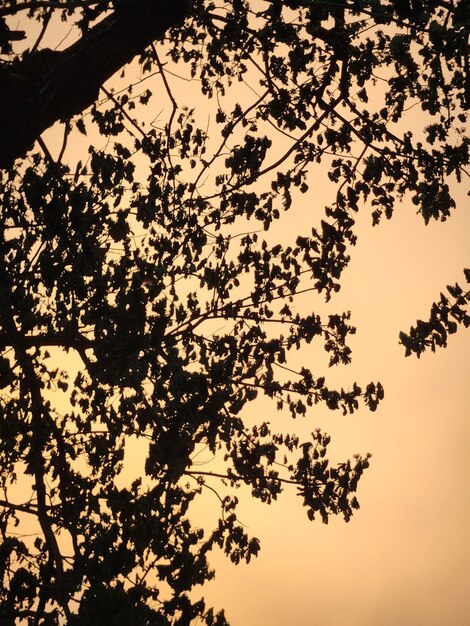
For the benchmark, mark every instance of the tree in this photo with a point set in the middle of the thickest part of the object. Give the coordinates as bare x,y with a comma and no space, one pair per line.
123,266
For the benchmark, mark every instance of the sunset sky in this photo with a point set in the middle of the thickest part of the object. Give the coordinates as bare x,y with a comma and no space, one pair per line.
404,558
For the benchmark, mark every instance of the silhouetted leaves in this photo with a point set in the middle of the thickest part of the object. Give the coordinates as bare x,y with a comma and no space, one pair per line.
446,314
156,261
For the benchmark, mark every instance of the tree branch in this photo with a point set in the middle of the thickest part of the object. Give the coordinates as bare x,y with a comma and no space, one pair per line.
33,5
40,420
24,508
64,340
47,86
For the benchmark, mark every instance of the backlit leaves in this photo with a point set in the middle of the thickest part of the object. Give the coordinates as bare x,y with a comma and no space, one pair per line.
449,311
158,262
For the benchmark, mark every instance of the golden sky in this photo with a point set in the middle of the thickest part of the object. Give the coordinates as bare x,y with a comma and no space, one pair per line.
403,560
404,557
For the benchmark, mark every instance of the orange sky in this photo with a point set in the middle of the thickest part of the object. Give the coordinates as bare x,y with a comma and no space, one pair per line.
403,560
404,557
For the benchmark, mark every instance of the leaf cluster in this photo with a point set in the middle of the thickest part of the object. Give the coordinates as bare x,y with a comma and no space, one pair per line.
152,270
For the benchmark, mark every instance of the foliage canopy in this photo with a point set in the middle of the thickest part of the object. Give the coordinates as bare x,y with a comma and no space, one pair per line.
149,267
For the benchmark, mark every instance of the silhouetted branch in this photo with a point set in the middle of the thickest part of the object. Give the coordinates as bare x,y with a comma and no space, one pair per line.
23,508
47,86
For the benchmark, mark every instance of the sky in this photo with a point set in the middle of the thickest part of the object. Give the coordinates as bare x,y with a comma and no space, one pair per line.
403,559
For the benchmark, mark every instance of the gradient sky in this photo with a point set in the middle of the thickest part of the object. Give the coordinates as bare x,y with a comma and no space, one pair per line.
404,557
403,560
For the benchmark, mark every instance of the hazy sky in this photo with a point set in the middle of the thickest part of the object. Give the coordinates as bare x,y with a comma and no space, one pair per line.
404,557
403,560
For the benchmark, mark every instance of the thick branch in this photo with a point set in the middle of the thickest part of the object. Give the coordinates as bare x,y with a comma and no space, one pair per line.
63,339
24,508
47,86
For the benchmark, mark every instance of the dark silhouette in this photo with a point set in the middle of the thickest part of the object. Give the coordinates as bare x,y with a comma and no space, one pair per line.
144,293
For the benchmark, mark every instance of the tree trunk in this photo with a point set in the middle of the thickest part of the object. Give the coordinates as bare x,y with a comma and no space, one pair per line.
47,86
